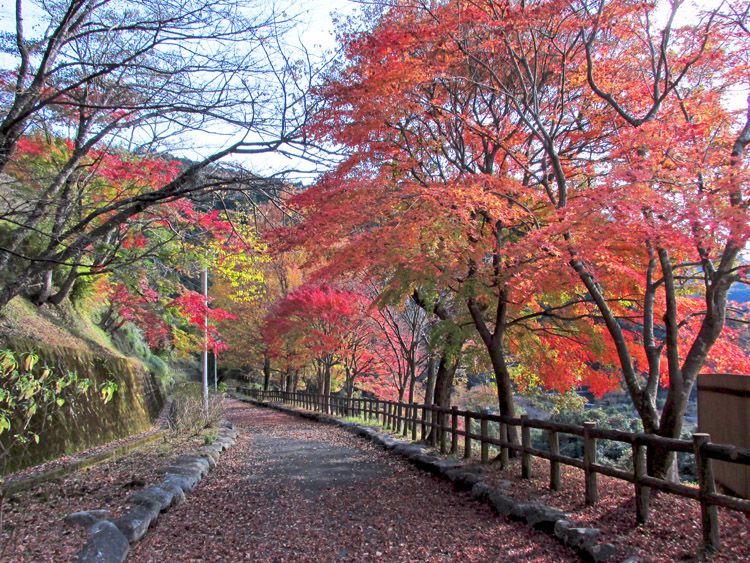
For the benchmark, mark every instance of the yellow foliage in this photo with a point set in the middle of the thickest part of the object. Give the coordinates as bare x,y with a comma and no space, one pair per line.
239,260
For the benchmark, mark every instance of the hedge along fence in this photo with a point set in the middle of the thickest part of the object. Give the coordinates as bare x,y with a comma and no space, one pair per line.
444,426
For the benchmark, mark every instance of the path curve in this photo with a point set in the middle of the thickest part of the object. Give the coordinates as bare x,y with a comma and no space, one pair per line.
295,490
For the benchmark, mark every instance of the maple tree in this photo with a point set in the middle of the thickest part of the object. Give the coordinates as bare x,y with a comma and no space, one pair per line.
462,205
401,345
567,170
324,326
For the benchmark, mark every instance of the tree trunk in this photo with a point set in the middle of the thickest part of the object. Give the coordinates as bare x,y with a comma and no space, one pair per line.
349,391
429,390
444,385
444,381
495,345
295,381
46,291
266,372
62,293
412,383
662,463
107,317
326,386
505,401
288,382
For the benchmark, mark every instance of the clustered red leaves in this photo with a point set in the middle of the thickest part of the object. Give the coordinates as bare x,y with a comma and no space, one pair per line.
196,308
315,321
472,173
114,175
340,326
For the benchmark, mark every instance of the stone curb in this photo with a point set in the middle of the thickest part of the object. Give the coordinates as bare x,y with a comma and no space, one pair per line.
467,477
109,540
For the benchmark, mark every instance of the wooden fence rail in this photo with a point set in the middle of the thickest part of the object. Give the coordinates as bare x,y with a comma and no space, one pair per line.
442,427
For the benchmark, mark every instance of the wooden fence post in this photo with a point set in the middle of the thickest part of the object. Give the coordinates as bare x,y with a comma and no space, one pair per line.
484,445
414,421
525,445
641,492
554,465
443,417
467,436
454,429
589,459
504,445
709,512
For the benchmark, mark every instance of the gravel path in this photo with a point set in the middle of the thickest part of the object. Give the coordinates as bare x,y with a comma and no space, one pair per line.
293,490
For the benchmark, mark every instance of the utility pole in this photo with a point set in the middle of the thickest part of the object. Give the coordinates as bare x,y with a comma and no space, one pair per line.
216,379
205,342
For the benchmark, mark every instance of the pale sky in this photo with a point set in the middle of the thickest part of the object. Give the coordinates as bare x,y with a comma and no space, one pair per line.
315,32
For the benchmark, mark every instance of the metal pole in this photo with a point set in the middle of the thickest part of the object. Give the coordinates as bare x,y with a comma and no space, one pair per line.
216,380
205,343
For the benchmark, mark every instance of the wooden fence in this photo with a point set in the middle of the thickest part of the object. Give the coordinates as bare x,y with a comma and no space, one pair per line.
444,426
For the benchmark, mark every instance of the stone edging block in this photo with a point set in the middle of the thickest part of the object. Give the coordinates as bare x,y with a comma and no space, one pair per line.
109,540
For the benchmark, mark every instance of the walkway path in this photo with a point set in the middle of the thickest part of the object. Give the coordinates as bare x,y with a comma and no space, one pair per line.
294,490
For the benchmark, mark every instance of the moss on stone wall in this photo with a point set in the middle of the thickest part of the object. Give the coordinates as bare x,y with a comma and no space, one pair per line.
85,421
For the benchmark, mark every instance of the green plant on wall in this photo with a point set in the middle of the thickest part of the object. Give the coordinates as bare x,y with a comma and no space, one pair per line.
30,394
107,390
